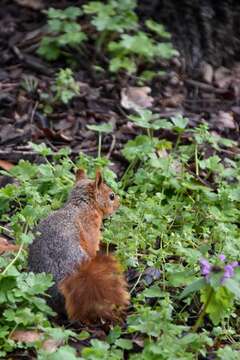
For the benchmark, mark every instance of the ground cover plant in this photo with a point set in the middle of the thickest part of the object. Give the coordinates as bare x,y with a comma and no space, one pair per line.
177,230
120,40
179,223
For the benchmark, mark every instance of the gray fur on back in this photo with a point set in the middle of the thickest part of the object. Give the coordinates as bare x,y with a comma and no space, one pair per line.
55,248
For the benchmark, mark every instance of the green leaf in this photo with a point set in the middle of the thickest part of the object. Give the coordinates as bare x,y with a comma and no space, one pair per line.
71,38
146,119
212,163
124,344
41,149
159,29
55,25
114,334
72,12
220,303
193,287
215,279
26,238
61,334
147,75
98,350
153,292
179,122
49,49
103,128
71,28
93,7
63,353
180,278
165,51
55,14
31,284
227,353
142,145
233,286
83,335
122,63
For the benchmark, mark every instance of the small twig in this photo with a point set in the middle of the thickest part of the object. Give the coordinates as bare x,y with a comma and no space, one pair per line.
196,160
32,115
14,155
205,87
33,111
112,146
53,147
90,149
99,144
8,86
136,283
123,112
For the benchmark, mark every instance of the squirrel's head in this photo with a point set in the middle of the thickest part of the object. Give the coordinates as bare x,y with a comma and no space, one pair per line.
95,193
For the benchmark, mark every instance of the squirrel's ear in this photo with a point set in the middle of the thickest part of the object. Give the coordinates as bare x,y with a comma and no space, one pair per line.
98,179
80,174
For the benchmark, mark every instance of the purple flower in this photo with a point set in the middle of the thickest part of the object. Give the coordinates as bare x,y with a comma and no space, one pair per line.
205,267
229,271
234,264
222,257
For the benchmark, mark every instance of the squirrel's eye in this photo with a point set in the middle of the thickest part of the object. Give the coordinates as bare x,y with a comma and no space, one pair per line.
112,196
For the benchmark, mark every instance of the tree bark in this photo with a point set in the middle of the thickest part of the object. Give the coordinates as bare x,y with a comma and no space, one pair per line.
202,30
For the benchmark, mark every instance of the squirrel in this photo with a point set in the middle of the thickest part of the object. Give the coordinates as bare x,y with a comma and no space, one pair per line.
88,286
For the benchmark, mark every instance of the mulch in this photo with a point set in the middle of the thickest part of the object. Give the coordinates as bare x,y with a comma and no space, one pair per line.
213,96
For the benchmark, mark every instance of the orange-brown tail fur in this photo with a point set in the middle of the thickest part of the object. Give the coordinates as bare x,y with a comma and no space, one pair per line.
96,290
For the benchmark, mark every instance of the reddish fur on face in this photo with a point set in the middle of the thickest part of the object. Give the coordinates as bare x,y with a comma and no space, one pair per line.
96,290
106,206
92,197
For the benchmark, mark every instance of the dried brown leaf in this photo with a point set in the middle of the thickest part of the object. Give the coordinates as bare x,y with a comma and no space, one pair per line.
173,101
6,165
5,246
223,77
51,345
26,336
226,120
207,72
32,4
30,336
136,97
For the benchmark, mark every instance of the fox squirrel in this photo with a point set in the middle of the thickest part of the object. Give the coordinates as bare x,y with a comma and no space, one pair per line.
89,284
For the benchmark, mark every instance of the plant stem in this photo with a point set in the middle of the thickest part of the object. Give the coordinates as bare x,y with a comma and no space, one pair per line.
5,229
99,144
12,331
177,142
101,39
129,168
196,160
203,312
13,261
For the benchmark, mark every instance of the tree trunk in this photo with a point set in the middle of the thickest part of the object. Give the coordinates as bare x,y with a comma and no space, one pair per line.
206,30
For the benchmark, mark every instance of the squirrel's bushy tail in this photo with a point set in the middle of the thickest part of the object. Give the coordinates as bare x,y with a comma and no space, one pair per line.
96,290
